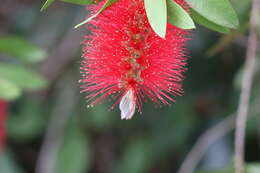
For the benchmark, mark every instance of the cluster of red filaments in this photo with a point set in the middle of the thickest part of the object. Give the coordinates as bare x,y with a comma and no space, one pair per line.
124,58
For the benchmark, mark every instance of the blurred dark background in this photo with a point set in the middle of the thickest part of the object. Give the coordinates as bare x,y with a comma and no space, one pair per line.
49,128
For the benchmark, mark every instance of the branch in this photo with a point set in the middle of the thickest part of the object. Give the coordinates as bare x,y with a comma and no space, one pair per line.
246,89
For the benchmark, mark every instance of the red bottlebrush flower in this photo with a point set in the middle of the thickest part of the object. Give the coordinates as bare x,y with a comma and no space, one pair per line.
125,59
3,112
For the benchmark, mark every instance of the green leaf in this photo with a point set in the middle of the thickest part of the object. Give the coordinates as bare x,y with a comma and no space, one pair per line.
21,49
177,16
79,2
205,22
8,90
74,153
219,12
47,4
22,76
156,11
241,9
107,4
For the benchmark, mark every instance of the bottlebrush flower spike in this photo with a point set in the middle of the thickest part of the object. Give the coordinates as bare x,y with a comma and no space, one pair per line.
125,59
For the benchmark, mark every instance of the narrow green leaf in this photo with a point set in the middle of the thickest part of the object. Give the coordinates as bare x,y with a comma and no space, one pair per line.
107,4
47,4
21,49
177,16
156,11
208,24
8,90
219,12
22,77
79,2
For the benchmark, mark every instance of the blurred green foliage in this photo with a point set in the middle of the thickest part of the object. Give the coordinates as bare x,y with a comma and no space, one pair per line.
17,76
74,154
8,164
21,49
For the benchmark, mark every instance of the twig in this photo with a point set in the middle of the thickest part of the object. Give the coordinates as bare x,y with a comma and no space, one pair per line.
246,89
209,137
204,141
